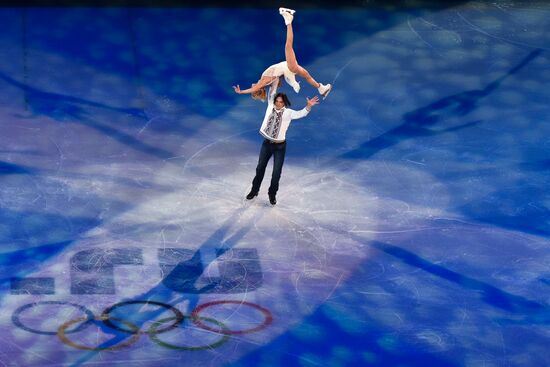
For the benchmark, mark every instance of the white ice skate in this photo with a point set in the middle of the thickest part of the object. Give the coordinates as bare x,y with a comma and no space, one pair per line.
288,18
286,10
324,89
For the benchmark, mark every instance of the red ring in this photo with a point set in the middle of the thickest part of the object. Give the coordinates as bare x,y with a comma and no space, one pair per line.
195,317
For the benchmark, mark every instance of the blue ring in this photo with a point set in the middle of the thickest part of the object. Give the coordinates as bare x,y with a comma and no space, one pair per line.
17,321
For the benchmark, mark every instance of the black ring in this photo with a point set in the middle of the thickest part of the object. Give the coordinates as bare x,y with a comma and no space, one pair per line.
109,323
17,321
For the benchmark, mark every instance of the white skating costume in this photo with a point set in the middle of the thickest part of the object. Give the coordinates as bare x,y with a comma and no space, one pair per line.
279,69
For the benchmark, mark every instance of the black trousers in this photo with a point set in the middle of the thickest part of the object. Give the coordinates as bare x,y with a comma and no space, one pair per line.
278,151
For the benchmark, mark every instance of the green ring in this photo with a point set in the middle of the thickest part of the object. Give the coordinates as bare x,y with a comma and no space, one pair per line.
154,335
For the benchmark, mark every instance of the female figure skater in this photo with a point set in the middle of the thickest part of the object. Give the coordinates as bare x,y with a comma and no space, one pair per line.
288,68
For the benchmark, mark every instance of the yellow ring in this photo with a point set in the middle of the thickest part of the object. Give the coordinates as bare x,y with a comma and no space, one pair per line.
130,341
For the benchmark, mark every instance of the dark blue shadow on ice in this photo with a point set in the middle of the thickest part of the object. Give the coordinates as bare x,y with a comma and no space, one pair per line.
179,284
328,337
423,122
38,237
369,345
12,169
70,109
489,294
518,209
419,122
20,263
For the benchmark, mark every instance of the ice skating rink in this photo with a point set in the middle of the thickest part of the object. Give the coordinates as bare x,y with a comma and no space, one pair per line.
413,217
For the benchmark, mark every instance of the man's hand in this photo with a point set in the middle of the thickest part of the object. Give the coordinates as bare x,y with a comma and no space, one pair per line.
237,89
312,102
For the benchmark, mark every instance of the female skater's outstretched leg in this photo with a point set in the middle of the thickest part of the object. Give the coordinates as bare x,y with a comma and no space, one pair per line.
291,61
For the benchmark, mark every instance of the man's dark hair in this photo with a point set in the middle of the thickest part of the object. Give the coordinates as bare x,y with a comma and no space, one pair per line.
284,97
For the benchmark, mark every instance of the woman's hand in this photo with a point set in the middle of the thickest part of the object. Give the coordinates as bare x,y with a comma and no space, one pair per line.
237,89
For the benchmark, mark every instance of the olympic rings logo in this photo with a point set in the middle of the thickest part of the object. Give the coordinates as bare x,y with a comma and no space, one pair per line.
133,331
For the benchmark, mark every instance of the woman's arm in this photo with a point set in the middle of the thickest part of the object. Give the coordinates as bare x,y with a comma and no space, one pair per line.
265,80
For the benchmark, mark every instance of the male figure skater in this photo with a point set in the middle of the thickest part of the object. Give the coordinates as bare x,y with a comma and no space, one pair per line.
274,126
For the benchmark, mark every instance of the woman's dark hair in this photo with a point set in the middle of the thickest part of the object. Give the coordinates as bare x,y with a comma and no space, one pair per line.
284,97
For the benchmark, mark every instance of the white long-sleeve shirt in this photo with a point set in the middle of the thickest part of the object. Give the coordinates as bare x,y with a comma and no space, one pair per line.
276,122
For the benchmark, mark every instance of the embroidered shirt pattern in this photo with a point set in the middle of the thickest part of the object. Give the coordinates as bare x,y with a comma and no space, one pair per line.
274,123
